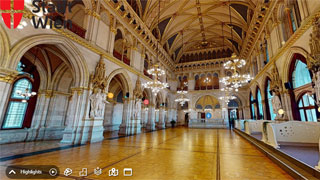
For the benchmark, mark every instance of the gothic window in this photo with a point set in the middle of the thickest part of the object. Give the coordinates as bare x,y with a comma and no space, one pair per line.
17,107
307,108
253,116
301,75
269,106
293,21
260,106
267,53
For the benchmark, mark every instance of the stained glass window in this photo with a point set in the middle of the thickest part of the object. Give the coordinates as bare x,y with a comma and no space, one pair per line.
252,107
293,21
307,108
260,105
17,109
301,75
269,96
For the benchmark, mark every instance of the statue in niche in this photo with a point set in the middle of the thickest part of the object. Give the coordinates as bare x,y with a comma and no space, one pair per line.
137,112
138,94
97,103
98,84
276,105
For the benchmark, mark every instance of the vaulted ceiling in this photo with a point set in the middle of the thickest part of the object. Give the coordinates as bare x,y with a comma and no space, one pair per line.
205,24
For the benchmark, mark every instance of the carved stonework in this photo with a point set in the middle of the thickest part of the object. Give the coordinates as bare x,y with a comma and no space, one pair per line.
313,61
276,83
98,80
137,92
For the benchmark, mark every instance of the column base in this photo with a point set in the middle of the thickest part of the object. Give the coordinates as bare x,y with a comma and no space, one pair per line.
150,127
161,126
90,132
134,127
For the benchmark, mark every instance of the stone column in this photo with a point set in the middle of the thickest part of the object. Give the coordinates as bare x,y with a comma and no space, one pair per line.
76,115
317,87
286,105
126,114
264,107
150,126
39,119
136,58
108,114
92,25
161,123
5,86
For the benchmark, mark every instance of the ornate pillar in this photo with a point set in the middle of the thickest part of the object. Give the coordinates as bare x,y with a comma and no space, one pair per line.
286,105
93,19
108,115
161,123
5,85
125,116
39,119
151,118
76,113
313,61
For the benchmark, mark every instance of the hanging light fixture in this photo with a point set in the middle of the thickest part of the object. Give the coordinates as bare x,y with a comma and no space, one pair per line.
156,85
182,98
26,94
236,80
227,98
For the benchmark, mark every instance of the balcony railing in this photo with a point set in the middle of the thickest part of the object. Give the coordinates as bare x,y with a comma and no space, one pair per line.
78,30
119,56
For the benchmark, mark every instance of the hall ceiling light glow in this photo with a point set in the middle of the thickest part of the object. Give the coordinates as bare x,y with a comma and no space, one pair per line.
156,86
227,98
26,94
234,63
182,99
207,80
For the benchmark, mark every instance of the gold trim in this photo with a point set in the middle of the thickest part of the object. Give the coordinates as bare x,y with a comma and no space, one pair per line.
303,28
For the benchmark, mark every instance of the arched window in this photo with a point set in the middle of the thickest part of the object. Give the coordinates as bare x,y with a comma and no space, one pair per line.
267,53
18,105
269,97
307,108
301,75
253,116
260,106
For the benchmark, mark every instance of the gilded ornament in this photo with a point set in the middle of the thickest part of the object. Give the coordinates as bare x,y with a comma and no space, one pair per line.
313,61
276,83
98,80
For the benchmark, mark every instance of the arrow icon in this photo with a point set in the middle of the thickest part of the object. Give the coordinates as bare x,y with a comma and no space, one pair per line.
12,172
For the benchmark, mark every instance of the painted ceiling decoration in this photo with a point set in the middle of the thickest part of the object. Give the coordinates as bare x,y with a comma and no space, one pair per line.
205,23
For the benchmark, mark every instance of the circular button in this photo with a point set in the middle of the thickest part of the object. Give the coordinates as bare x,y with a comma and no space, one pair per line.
53,172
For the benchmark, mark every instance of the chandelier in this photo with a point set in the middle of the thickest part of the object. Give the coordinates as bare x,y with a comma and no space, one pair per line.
26,94
234,63
207,80
182,99
156,86
236,80
227,98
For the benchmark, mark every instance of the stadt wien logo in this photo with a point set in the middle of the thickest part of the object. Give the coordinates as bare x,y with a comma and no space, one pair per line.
45,13
5,5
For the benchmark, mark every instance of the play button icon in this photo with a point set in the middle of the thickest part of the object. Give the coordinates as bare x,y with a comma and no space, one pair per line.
53,172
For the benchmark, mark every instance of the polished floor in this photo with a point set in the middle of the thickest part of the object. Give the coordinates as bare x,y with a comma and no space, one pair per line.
170,154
